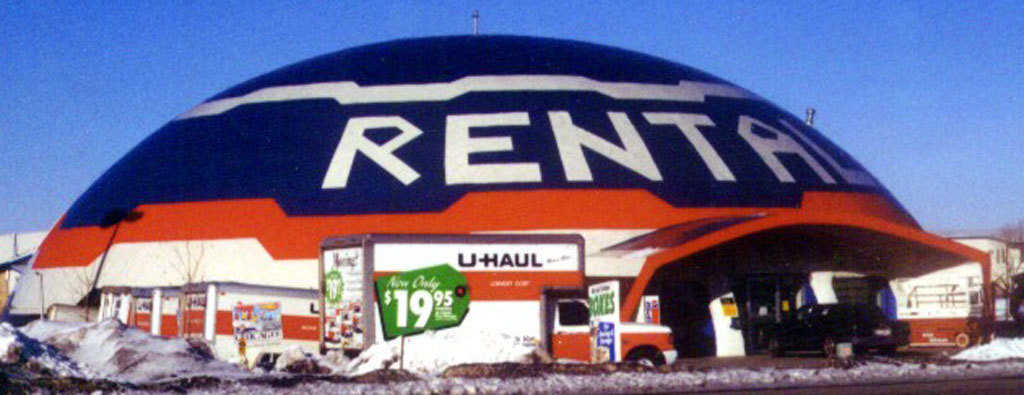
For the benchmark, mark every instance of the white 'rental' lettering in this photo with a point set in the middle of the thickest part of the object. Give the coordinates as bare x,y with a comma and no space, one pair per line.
778,143
459,144
353,140
852,176
687,123
571,139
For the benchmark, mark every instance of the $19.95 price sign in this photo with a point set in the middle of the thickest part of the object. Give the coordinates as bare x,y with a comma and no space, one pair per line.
431,298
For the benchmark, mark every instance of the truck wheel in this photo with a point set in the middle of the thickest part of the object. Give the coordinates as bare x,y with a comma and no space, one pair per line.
962,340
647,356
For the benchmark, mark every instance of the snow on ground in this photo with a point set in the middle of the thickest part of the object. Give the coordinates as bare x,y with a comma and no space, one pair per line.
432,352
297,360
712,380
110,350
18,349
998,348
118,352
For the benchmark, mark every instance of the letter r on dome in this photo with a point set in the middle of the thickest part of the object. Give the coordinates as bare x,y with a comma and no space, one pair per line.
353,140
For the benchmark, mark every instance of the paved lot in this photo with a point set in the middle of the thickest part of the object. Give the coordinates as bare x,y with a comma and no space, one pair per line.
961,387
816,360
808,360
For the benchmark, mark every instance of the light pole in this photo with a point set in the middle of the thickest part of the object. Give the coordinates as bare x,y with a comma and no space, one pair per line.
42,297
476,22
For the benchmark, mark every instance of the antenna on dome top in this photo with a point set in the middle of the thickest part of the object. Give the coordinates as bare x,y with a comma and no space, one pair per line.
810,116
476,22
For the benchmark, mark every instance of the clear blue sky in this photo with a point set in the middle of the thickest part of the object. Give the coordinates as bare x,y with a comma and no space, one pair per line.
926,94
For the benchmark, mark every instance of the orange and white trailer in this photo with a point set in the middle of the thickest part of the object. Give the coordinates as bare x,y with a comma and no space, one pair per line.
268,319
943,308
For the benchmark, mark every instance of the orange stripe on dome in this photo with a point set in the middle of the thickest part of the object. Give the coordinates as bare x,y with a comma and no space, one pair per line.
298,237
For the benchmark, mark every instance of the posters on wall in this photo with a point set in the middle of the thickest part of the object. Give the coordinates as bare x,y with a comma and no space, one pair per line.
258,323
605,326
343,291
143,308
195,301
143,305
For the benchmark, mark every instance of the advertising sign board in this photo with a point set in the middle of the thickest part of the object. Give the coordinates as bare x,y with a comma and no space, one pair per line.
259,323
605,325
343,291
431,298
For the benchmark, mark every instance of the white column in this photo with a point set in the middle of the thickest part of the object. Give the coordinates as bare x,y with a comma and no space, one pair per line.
104,311
210,323
122,314
157,313
103,307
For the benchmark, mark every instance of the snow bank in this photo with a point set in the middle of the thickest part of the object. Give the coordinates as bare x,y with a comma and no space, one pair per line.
20,350
296,360
118,352
10,347
998,348
432,352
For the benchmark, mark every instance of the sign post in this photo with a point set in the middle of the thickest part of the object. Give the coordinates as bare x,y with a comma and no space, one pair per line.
415,301
605,326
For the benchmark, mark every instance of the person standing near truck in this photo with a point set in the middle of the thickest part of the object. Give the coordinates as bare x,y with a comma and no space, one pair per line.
241,353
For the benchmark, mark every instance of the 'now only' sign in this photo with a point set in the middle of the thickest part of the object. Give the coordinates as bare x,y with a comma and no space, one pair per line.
415,301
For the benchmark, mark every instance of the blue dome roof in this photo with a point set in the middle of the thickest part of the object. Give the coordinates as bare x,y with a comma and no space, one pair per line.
445,59
413,125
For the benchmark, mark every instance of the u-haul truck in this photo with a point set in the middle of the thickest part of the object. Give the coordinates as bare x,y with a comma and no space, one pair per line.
514,284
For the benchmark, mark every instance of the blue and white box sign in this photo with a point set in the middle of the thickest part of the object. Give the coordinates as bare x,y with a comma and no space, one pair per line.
605,333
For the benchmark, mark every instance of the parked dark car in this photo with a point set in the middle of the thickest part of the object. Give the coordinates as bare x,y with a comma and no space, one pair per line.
822,326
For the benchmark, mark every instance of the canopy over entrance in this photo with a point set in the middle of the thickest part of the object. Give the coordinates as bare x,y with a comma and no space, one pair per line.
803,242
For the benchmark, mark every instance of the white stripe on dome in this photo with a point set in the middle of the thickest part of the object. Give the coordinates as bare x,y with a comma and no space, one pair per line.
352,93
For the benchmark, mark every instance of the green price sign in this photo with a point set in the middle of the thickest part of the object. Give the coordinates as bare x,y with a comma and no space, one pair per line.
431,298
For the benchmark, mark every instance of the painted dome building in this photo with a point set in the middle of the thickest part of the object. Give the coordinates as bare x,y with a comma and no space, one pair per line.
674,178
